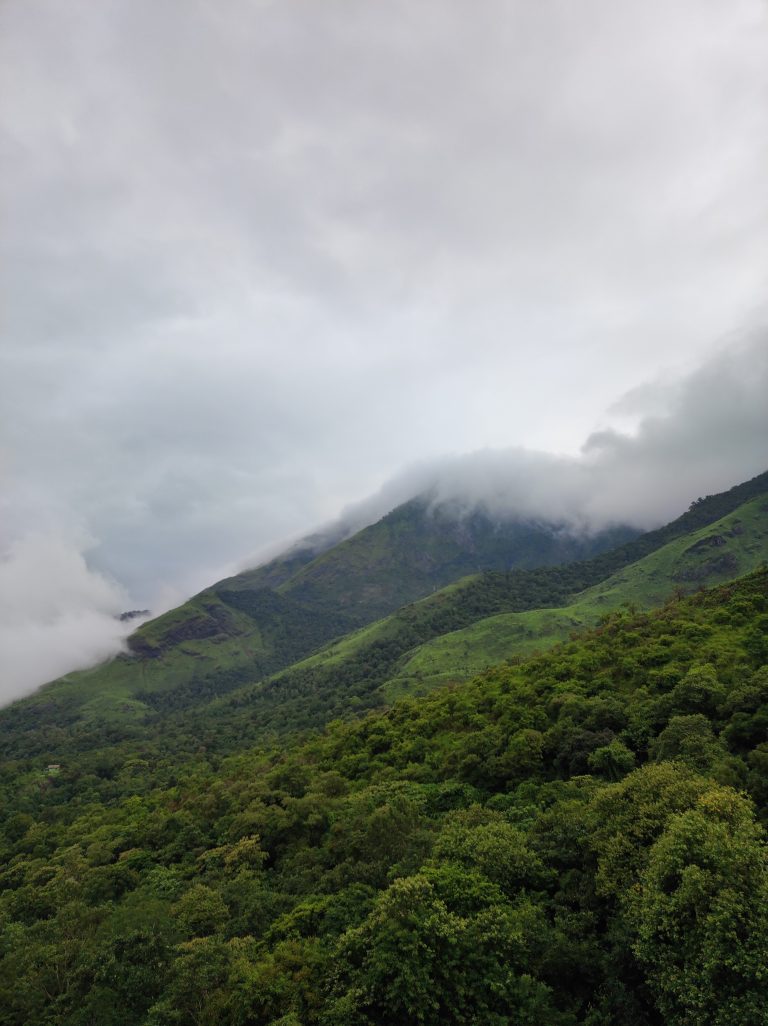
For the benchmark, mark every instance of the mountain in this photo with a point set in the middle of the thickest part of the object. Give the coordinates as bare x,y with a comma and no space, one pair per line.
414,550
570,838
730,548
287,608
296,602
247,662
483,620
575,840
250,626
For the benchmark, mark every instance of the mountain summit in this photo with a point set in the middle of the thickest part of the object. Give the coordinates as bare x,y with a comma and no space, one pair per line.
415,549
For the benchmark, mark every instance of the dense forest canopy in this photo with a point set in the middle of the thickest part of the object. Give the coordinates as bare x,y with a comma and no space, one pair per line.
576,838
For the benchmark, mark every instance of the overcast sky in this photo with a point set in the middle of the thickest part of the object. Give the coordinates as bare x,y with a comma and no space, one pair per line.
257,257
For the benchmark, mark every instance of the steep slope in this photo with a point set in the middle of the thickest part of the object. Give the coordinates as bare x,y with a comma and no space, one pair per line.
450,636
727,549
250,626
416,549
231,636
566,842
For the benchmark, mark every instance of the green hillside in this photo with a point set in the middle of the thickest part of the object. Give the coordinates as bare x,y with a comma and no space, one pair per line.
248,627
729,548
416,549
572,841
427,643
228,657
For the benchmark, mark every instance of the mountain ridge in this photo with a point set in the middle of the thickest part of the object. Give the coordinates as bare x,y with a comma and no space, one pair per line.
220,649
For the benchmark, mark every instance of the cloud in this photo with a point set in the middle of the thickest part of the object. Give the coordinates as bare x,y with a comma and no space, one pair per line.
704,433
711,435
56,614
255,257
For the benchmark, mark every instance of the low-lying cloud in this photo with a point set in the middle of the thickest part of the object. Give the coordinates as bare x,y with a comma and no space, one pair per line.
56,614
705,433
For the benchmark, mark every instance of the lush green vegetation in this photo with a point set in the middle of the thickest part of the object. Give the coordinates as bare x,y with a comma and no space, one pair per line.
226,640
568,838
574,839
729,548
248,627
426,644
416,549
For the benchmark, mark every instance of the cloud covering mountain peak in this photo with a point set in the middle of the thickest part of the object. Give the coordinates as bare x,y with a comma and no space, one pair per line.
705,433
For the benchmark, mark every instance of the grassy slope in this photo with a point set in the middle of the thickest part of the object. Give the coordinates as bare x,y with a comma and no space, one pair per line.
209,646
110,690
730,548
414,550
248,627
458,655
366,669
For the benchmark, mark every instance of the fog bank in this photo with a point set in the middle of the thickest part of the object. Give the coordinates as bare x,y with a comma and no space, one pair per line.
56,614
706,433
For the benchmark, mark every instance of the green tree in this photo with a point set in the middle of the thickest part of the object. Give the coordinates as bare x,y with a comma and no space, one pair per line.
699,691
701,915
612,761
414,960
201,911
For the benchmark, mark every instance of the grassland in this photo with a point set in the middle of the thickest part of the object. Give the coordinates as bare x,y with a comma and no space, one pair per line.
729,548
